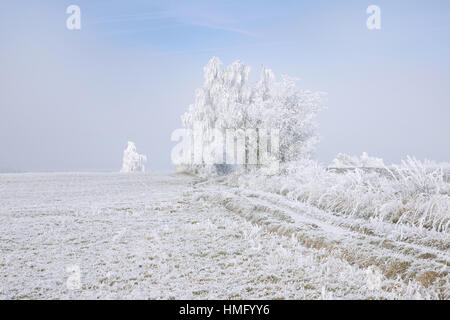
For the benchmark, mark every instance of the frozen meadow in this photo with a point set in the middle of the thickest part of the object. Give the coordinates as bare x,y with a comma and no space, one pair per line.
355,230
242,236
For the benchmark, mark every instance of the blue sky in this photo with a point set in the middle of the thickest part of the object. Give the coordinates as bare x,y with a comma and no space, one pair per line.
70,100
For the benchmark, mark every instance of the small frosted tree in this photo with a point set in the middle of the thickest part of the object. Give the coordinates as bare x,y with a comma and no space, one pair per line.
133,161
228,101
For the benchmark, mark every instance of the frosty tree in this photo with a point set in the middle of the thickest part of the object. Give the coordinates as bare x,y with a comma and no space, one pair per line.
133,161
228,101
281,105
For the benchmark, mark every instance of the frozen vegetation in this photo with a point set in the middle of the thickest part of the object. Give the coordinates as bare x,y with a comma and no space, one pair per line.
345,161
133,161
228,100
357,229
307,233
156,236
394,220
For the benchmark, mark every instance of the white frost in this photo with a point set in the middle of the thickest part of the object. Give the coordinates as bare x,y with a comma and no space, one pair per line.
345,161
228,100
179,237
133,161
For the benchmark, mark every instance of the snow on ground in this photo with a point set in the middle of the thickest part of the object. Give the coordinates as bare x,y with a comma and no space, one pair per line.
175,236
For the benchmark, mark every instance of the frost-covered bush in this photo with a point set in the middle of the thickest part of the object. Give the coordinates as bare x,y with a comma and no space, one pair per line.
413,193
133,161
345,161
228,101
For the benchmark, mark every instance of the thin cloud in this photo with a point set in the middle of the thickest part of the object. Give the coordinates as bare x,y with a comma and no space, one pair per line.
175,17
220,27
151,16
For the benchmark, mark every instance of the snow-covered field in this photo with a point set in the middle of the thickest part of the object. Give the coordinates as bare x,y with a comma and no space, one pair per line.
175,236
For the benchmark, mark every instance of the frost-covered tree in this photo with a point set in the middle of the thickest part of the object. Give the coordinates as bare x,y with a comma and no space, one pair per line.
281,105
221,103
228,101
133,161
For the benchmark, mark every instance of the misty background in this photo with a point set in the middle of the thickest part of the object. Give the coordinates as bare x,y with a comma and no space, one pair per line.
70,100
